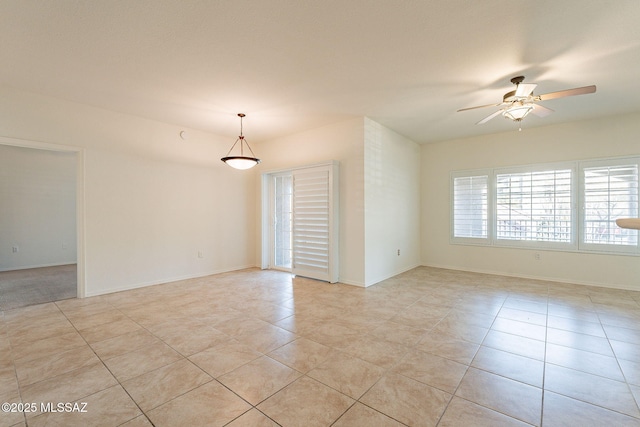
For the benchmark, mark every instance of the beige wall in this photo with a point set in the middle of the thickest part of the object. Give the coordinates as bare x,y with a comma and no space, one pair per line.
37,208
392,203
151,200
601,138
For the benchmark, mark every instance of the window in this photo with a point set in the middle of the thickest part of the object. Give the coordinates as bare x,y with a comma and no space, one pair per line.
537,206
470,206
534,206
610,192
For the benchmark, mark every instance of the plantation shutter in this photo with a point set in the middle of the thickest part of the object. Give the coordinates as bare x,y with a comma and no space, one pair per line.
315,231
610,192
470,207
534,206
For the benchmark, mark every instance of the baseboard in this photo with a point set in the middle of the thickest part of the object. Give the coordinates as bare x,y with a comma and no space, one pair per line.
533,277
164,281
404,270
28,267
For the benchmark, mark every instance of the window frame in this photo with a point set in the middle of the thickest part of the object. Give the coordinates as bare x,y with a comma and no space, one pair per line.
472,240
606,248
537,244
577,243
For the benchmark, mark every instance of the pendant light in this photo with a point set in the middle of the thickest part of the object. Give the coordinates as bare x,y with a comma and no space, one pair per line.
241,161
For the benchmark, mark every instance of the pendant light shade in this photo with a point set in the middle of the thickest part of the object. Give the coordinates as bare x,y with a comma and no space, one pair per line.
241,161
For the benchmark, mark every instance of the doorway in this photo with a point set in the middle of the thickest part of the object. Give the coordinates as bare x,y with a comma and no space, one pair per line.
41,200
281,233
300,221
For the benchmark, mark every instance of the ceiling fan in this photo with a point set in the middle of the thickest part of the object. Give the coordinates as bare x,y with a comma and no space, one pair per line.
518,103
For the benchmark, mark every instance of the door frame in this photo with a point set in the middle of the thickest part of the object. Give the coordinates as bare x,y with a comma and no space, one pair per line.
265,185
80,220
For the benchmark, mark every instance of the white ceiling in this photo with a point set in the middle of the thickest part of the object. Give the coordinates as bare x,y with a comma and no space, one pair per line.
293,65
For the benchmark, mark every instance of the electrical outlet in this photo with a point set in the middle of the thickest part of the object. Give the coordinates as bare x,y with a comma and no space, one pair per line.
15,249
200,254
398,252
536,256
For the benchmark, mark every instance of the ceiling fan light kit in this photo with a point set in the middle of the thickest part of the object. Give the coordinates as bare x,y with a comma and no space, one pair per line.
518,103
241,161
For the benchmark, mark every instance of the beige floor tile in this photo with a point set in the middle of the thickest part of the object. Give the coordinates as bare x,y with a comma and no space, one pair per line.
252,418
578,326
8,383
585,361
579,341
513,366
306,403
428,324
141,360
347,374
109,330
302,354
86,321
448,347
333,335
189,340
462,413
30,371
522,329
631,370
523,316
631,336
432,370
141,421
377,351
110,407
48,346
240,325
408,401
210,404
512,398
71,386
224,358
154,388
259,379
420,317
360,415
299,324
266,338
515,344
124,343
625,350
471,333
11,418
521,304
610,394
561,411
398,333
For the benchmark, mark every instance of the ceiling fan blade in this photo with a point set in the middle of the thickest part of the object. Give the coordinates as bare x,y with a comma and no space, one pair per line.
569,92
525,89
541,111
489,117
480,106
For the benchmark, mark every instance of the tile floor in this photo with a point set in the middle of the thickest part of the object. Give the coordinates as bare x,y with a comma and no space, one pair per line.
430,347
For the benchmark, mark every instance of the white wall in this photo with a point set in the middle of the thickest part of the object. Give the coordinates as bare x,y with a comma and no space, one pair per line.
152,201
392,203
601,138
37,208
344,142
